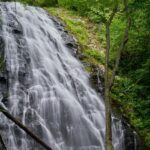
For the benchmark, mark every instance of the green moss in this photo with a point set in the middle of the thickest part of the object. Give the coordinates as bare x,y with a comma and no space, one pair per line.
97,55
77,27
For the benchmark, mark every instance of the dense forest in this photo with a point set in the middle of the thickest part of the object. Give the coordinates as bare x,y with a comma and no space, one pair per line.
130,94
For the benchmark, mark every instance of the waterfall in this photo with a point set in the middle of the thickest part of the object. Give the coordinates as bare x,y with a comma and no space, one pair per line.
48,88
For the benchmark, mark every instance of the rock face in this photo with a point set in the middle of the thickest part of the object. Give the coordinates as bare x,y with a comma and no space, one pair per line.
69,40
132,139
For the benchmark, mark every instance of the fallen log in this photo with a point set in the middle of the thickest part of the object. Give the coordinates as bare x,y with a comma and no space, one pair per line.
3,144
24,128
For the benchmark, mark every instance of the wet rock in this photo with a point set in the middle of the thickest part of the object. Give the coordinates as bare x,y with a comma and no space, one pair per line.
97,79
3,80
69,40
132,139
5,101
57,21
60,28
21,75
2,45
70,44
17,31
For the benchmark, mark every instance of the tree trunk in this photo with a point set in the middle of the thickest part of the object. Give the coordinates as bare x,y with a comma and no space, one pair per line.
108,135
2,143
109,82
108,138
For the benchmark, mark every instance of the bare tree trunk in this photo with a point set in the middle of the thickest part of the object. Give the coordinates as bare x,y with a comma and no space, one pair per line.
23,127
109,83
108,135
107,99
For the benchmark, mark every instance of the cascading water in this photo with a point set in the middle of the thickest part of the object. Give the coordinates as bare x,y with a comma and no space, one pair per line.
49,90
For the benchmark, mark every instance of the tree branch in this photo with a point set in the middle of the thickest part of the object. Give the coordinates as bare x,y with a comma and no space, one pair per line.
122,45
112,15
108,136
23,127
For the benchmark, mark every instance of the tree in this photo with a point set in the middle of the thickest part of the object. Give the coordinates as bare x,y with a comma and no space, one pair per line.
107,12
109,83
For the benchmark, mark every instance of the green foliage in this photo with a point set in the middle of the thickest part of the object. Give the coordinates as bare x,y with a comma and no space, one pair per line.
40,2
82,6
137,51
78,28
98,56
142,76
133,105
97,10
